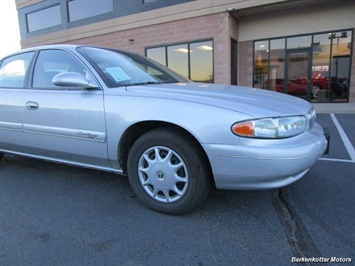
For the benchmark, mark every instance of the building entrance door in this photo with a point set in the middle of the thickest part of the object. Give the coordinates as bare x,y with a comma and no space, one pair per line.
298,72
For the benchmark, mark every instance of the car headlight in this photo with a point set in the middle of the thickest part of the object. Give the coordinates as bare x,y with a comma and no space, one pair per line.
311,116
271,128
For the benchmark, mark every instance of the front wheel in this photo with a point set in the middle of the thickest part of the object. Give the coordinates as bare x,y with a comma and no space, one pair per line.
168,171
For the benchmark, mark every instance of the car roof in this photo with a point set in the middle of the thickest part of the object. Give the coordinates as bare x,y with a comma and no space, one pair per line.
61,46
35,48
71,47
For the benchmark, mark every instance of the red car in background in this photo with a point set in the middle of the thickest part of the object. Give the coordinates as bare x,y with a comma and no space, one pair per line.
297,89
321,81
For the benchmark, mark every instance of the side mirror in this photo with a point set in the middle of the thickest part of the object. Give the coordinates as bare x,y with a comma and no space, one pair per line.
72,79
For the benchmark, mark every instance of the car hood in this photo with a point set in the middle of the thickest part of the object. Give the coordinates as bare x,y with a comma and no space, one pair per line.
249,101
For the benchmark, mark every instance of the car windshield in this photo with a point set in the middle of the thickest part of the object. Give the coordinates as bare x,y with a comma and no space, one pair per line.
119,68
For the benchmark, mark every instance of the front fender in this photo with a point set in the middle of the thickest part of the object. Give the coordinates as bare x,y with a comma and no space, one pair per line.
207,124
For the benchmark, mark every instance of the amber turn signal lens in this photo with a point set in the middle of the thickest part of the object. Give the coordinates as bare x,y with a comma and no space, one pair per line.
244,129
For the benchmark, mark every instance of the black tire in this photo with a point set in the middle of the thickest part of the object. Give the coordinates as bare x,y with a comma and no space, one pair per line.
1,155
173,168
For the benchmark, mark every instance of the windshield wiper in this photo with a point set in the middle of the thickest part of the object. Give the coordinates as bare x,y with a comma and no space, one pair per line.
144,83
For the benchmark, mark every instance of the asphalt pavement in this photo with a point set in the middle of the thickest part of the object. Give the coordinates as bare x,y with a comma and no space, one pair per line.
53,214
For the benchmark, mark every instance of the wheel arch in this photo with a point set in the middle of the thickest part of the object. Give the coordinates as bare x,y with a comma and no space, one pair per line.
136,130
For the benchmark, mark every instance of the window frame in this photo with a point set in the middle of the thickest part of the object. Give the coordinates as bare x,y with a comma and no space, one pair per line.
149,1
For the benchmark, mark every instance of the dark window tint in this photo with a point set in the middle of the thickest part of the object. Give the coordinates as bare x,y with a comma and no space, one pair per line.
80,9
13,70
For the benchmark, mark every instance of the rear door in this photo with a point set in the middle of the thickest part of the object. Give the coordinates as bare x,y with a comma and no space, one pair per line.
66,124
13,72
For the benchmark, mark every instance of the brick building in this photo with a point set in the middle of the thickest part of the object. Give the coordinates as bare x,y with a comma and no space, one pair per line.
300,47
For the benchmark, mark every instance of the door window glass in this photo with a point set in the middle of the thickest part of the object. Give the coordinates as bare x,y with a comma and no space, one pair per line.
13,70
52,62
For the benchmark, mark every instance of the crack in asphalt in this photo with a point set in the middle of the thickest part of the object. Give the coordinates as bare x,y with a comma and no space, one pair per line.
301,242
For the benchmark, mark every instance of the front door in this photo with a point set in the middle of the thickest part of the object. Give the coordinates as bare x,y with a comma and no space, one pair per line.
298,73
60,123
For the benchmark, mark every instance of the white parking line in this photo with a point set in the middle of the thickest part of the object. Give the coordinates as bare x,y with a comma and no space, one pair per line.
349,147
336,160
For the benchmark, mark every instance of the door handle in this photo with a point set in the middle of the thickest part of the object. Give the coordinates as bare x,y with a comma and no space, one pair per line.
32,105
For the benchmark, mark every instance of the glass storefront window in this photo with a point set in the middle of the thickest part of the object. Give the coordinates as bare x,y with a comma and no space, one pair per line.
321,52
320,63
340,64
299,42
315,67
201,62
80,9
261,66
44,18
157,54
192,60
178,59
277,65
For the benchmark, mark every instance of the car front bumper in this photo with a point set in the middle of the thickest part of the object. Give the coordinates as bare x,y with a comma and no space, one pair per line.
265,164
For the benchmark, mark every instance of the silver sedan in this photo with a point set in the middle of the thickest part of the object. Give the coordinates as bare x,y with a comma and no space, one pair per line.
117,111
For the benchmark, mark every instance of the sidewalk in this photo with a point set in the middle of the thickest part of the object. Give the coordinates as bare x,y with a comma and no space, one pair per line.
335,108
